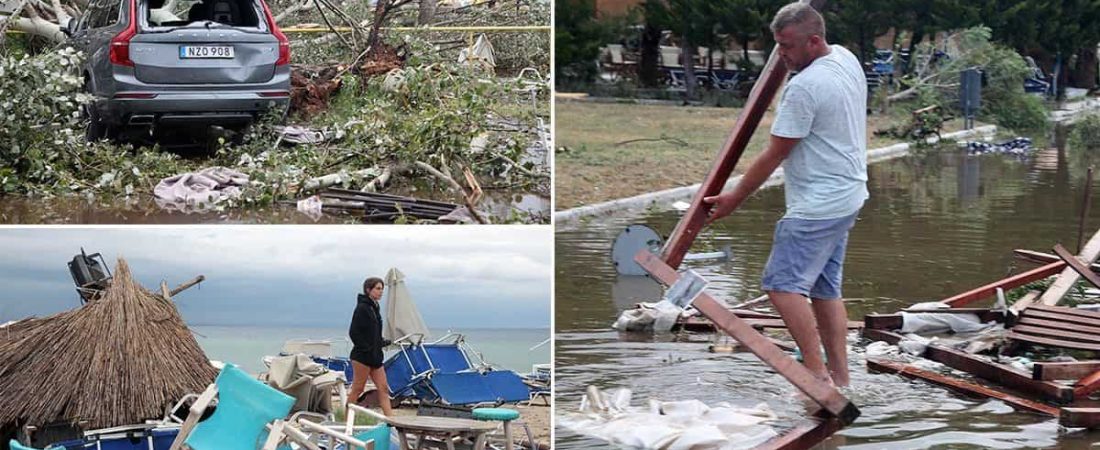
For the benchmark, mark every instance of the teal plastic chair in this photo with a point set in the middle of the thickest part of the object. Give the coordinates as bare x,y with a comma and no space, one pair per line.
15,445
379,434
245,407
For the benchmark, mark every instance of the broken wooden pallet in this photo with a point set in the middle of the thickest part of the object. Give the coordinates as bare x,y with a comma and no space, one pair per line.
1060,327
983,368
882,365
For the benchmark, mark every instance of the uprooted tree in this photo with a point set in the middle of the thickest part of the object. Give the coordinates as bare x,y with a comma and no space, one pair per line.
935,79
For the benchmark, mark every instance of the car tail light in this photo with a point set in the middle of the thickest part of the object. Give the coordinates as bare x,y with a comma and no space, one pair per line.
275,94
120,44
284,43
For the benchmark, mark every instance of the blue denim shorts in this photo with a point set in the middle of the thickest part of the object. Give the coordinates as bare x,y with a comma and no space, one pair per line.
808,256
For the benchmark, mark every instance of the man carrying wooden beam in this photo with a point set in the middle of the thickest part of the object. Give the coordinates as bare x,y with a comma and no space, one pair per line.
820,136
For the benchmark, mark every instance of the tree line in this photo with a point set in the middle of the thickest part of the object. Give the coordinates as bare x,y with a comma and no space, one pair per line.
1060,35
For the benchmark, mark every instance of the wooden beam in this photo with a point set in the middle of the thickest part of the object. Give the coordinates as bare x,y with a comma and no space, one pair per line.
1058,325
1057,334
760,98
883,365
1087,385
1076,265
999,373
1049,342
1011,282
806,435
980,367
1076,312
187,285
821,392
1079,417
1069,277
888,337
1035,313
882,321
1043,258
1049,371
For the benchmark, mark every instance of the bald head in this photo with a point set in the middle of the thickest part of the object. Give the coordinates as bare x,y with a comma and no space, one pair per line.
803,17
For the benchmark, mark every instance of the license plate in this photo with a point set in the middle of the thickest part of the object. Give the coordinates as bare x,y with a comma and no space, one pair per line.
206,51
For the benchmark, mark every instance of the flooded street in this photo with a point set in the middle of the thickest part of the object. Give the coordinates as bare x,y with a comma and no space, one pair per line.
935,225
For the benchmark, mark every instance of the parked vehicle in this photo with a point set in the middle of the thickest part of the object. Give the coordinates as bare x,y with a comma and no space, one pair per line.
154,64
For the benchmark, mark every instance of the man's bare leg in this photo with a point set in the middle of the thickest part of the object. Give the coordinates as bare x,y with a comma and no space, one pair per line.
799,318
832,322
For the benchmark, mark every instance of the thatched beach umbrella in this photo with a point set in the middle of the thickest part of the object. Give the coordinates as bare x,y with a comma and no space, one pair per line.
118,360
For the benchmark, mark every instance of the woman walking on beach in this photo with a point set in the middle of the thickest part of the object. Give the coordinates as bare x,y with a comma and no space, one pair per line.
367,344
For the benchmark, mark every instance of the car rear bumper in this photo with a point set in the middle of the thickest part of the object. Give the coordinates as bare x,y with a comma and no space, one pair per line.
128,99
192,107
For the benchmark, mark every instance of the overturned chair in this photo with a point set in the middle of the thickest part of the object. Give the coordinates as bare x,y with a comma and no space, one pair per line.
310,383
443,372
249,414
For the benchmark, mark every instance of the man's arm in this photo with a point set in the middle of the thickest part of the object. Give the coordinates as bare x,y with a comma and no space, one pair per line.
761,168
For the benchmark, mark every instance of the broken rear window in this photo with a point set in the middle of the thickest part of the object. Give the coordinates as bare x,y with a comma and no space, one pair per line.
182,13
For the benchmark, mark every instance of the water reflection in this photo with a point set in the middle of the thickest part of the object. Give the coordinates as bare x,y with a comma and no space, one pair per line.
935,225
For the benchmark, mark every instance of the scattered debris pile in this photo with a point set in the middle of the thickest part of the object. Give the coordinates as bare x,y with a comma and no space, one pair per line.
1033,355
1020,146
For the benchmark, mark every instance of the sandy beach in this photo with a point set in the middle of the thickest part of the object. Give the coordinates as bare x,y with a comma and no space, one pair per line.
536,416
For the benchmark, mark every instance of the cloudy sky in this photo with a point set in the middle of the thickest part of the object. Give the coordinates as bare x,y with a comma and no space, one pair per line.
459,277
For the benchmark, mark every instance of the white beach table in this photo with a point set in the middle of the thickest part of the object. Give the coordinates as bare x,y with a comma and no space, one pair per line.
447,428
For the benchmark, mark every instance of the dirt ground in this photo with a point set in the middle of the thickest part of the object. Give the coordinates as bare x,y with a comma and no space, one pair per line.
615,150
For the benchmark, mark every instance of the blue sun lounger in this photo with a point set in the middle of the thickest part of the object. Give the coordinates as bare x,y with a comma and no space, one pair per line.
442,372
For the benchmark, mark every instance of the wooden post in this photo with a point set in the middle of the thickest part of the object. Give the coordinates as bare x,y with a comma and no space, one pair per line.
821,392
1014,281
883,365
1084,210
769,82
1087,385
187,285
1069,277
1050,371
806,435
1077,265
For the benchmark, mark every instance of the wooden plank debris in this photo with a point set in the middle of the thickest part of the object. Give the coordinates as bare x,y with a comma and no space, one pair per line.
821,392
1043,258
1050,371
1050,342
806,435
760,98
980,367
1012,282
883,365
1069,276
1074,417
1077,265
1087,385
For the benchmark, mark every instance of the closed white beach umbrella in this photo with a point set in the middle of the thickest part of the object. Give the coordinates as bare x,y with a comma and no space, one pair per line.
402,318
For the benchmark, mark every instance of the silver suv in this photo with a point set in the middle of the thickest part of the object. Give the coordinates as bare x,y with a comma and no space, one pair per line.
189,63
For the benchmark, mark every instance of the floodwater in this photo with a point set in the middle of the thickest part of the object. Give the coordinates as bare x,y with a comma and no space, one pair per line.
935,225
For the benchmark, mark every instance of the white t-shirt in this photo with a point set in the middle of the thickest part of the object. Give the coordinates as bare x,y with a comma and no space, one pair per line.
825,105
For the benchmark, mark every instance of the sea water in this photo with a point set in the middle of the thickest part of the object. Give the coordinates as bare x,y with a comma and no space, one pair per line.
245,346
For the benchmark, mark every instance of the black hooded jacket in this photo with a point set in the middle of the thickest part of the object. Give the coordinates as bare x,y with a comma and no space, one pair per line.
366,332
